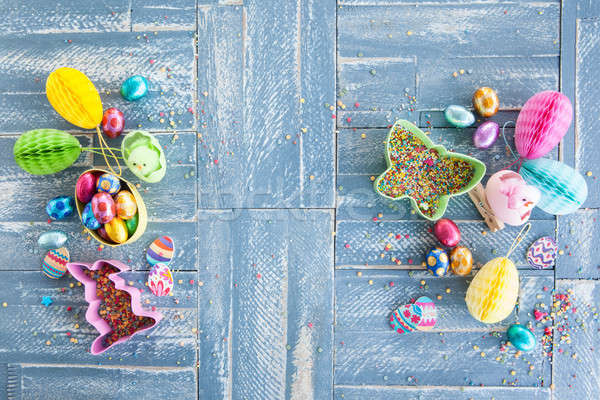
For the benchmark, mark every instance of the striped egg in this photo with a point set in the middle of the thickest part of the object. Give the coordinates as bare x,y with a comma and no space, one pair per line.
108,183
103,207
54,264
160,280
461,260
428,313
437,261
485,101
126,205
160,251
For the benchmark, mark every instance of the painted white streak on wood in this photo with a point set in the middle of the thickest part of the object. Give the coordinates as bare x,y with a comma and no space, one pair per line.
302,385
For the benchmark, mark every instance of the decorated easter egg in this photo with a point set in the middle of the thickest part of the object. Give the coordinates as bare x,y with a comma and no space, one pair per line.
485,135
102,232
406,318
85,188
160,251
446,231
563,189
113,122
521,337
132,224
461,260
134,88
52,240
108,183
160,280
116,230
542,253
485,101
60,207
125,203
428,313
459,116
437,261
103,207
54,264
88,219
493,292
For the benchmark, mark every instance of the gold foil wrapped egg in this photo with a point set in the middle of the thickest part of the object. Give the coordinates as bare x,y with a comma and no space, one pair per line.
493,292
116,230
485,101
461,260
125,204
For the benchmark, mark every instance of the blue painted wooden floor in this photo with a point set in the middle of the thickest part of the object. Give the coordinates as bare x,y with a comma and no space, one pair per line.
272,114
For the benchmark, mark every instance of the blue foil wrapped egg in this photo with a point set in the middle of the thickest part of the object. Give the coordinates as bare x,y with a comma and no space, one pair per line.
521,337
60,207
459,116
88,219
437,261
134,88
108,183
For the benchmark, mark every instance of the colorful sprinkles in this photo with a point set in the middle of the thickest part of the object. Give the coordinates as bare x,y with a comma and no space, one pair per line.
420,172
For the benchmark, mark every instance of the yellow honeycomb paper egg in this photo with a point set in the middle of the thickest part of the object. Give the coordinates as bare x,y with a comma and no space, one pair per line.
493,292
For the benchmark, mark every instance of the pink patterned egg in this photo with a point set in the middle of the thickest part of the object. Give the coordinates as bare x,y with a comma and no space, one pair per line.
160,280
86,186
103,207
113,122
428,313
542,253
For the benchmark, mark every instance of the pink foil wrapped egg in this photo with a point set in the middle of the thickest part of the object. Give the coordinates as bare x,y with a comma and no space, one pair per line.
86,187
542,122
160,280
113,122
103,207
446,231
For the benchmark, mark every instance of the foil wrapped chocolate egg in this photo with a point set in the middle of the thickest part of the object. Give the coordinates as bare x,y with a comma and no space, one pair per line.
134,88
461,260
108,183
521,337
113,122
103,207
102,232
486,134
52,240
458,116
132,224
437,261
85,188
116,230
60,207
485,101
446,231
126,205
88,219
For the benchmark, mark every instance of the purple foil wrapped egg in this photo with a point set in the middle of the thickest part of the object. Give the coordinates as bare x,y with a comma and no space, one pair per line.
85,188
103,207
485,135
102,232
113,122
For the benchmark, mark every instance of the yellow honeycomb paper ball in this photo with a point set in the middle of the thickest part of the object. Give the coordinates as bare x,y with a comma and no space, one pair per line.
493,292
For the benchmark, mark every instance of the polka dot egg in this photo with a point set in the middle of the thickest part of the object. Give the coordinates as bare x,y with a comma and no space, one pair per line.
108,183
113,122
60,207
437,261
461,260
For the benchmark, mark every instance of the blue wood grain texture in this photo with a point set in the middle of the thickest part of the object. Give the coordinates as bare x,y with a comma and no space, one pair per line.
576,239
576,365
343,392
266,140
266,304
163,15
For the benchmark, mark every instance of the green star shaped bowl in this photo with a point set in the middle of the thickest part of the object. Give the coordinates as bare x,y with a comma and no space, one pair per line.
431,154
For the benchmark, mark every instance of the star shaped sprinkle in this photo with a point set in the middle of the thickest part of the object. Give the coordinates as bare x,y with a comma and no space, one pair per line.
46,300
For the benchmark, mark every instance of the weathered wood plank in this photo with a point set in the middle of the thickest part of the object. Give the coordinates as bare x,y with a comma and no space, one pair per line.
28,325
365,306
67,382
587,90
23,253
454,29
65,16
587,9
268,310
163,15
244,158
577,239
361,242
437,2
166,58
576,362
343,392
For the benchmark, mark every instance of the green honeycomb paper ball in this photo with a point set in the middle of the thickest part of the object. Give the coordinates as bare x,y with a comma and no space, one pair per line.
46,151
